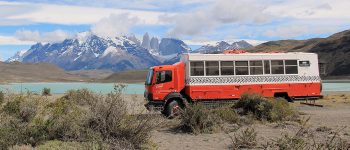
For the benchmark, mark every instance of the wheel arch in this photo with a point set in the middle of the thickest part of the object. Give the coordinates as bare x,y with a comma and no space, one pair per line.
175,96
284,95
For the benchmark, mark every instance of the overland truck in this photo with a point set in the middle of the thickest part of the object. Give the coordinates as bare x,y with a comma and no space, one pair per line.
222,78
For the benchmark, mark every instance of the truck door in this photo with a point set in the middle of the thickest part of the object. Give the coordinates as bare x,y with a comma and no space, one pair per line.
164,84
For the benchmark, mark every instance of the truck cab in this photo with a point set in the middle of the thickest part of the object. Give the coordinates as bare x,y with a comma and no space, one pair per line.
164,85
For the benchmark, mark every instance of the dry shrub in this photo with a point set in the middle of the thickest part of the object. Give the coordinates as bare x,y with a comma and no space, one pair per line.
111,119
65,120
70,145
198,119
227,114
82,97
246,139
323,129
304,139
18,116
21,147
80,116
2,97
291,142
10,131
266,109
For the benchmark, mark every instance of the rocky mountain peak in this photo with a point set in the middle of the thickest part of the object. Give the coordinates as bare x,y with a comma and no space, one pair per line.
223,45
146,41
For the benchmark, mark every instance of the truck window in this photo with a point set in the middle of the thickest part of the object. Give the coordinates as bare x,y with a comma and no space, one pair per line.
149,77
212,68
304,63
267,67
241,67
256,67
277,67
227,68
163,76
197,68
291,66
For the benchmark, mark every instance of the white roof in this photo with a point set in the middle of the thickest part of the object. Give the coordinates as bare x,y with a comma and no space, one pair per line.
247,56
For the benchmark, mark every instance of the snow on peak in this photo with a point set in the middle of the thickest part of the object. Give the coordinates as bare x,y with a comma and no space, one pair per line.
83,36
18,56
112,51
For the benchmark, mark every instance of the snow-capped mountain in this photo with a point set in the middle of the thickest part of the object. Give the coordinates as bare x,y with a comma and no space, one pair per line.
221,46
18,56
89,51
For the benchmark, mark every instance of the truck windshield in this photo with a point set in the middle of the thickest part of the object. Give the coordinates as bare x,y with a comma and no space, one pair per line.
149,77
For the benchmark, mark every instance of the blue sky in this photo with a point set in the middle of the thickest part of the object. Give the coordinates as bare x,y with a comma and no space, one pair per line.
25,22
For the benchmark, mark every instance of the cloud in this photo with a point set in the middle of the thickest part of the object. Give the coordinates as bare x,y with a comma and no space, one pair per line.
213,42
294,31
115,25
311,9
10,40
150,5
29,13
209,18
36,36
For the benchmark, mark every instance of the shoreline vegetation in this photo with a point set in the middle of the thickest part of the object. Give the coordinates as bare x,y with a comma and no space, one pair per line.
81,119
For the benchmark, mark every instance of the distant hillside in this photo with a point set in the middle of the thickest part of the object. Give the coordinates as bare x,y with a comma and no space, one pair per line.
127,76
19,72
333,51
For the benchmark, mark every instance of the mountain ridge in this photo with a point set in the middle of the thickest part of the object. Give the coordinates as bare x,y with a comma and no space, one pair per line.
88,51
223,45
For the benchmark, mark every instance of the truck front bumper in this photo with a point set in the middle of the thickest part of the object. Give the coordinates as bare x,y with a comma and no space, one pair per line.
154,106
151,104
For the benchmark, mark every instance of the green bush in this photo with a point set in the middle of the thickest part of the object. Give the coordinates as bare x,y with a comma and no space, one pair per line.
13,107
46,92
2,97
227,114
198,119
266,109
281,111
11,131
83,97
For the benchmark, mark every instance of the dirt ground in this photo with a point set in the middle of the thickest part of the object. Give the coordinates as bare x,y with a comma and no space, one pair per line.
335,114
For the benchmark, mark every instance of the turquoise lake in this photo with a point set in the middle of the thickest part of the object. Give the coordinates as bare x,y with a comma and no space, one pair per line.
60,88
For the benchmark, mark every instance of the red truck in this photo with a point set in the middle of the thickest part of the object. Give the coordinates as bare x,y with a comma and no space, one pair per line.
216,78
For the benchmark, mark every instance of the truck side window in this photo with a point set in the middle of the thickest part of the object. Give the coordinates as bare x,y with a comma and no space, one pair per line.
197,68
291,66
212,68
256,67
241,67
163,76
227,68
277,67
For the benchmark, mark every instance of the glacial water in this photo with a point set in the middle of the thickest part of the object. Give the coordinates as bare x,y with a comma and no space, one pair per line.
60,88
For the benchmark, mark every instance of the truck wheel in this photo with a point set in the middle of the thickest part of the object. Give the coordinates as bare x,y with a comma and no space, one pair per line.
173,109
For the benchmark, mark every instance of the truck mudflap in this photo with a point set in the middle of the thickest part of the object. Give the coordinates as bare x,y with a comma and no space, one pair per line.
154,106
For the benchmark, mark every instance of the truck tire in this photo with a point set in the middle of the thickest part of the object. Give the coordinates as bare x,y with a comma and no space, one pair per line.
173,109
